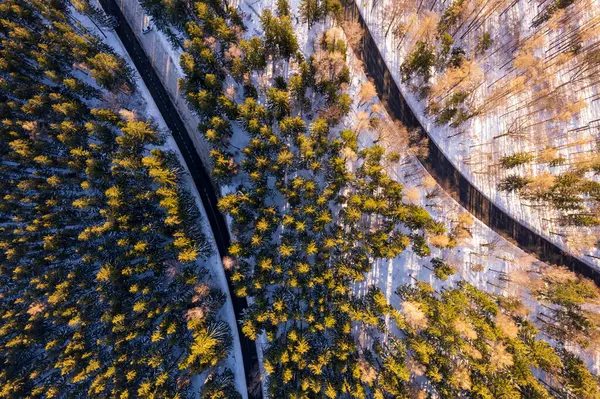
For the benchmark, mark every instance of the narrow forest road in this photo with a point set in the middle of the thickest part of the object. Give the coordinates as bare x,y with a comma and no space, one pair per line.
199,175
447,175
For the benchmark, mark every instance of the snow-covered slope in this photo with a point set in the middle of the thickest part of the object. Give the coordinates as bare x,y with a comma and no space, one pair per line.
566,120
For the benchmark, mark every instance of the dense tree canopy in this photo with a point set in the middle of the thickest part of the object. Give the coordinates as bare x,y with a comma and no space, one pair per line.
304,233
100,292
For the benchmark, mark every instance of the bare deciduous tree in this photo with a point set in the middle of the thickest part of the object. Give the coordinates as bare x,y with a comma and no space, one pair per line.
411,195
546,155
366,93
413,315
539,185
464,78
440,240
428,182
354,34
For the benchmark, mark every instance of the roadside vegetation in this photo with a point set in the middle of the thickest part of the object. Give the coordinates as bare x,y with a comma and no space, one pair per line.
100,292
311,212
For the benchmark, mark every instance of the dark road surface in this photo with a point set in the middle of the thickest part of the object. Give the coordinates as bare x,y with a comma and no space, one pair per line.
446,174
199,175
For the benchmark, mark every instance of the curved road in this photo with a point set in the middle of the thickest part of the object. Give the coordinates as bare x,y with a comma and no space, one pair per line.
446,174
199,175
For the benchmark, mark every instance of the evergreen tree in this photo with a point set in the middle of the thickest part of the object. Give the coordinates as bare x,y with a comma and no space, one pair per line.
311,11
101,294
511,161
420,61
280,40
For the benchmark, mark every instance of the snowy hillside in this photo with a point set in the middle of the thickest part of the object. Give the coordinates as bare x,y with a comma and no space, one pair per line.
528,92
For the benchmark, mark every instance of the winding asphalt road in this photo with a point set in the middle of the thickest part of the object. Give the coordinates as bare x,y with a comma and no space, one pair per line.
199,175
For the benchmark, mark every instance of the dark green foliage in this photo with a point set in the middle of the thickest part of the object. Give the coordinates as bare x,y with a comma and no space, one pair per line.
570,293
283,8
550,10
420,246
419,62
329,73
580,220
220,385
568,318
513,183
280,40
395,374
451,112
493,352
250,91
567,190
445,47
519,158
254,54
484,43
456,57
450,16
445,116
111,72
163,17
278,102
581,382
441,269
101,295
311,11
558,161
280,83
217,131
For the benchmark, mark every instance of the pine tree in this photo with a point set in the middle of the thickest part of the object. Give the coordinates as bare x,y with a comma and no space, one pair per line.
420,61
311,11
511,161
280,40
99,237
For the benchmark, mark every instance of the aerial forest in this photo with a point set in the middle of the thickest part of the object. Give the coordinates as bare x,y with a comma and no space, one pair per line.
510,91
108,286
100,290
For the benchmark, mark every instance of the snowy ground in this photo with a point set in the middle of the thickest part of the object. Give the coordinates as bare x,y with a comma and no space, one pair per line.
474,147
145,106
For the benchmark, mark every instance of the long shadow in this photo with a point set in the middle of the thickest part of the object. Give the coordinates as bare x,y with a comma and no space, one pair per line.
199,175
446,174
